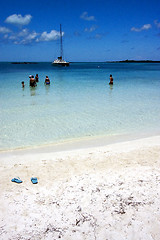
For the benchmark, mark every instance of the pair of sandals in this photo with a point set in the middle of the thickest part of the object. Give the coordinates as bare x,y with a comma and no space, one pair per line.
34,180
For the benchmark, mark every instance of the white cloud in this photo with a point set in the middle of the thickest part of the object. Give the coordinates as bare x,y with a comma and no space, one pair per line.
86,17
135,29
23,37
144,27
17,19
91,29
46,37
5,36
29,38
12,37
157,23
23,33
4,30
32,36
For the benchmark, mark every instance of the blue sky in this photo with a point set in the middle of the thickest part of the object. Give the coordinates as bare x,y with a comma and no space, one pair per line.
97,30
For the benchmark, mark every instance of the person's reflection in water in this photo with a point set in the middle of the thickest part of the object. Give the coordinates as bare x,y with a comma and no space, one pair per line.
111,87
47,88
23,88
110,92
32,91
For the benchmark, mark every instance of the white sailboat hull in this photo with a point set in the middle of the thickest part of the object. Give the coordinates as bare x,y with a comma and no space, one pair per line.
60,62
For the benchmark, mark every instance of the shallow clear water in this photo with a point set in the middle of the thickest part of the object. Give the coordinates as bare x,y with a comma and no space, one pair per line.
78,103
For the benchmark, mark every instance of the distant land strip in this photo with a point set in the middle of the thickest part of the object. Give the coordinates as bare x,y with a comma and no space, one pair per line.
23,62
135,61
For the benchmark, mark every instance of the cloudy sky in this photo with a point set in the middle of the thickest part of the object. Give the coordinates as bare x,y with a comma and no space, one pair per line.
97,30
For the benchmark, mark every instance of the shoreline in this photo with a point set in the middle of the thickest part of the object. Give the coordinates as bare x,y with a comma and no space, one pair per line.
84,142
104,192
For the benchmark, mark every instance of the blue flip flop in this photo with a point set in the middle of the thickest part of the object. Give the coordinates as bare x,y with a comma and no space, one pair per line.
34,180
17,180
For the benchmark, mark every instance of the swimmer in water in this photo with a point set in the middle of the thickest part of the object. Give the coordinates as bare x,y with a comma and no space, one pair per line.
111,80
23,85
47,81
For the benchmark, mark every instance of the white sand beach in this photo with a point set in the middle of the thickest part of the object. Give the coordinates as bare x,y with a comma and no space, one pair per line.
107,192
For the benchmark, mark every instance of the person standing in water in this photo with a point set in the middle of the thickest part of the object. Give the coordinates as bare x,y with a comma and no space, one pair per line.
111,80
23,84
37,78
47,81
32,82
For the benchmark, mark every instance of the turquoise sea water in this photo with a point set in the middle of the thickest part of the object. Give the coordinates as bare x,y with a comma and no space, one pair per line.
79,102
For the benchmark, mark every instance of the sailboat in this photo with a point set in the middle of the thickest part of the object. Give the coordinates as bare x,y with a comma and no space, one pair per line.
59,61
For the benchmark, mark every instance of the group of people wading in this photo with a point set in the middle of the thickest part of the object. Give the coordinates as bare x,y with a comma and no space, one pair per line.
34,80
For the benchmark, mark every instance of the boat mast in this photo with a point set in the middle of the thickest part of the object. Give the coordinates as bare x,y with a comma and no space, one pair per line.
61,41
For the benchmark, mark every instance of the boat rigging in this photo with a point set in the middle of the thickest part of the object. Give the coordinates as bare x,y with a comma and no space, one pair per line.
59,61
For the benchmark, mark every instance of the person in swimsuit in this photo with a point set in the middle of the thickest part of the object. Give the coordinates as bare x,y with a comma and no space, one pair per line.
47,81
32,82
22,84
111,80
37,78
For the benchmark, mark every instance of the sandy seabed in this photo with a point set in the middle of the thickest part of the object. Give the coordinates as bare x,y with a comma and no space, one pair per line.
101,193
